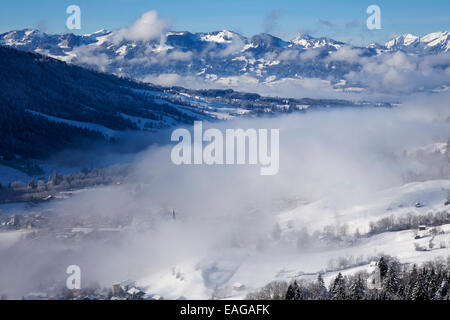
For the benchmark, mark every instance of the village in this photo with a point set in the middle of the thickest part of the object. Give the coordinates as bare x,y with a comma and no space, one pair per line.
123,290
41,222
33,226
59,185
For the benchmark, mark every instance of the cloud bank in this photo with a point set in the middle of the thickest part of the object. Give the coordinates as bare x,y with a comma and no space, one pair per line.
149,26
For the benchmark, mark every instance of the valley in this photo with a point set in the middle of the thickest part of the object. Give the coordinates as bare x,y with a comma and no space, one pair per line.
156,164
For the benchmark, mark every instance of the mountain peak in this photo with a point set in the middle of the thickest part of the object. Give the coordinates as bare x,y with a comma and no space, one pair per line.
224,36
307,41
436,38
216,55
100,32
436,41
21,37
403,40
268,40
304,36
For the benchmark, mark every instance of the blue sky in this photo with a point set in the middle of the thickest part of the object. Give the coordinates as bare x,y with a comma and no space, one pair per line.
343,19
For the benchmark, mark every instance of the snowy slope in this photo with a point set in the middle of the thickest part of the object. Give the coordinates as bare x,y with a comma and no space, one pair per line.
197,277
86,125
254,269
431,43
395,201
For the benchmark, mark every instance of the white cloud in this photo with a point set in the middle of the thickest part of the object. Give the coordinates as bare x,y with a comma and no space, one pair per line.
400,73
165,79
345,54
234,47
289,55
150,26
180,55
310,54
88,55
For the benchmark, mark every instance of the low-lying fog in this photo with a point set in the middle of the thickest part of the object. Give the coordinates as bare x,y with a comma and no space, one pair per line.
344,155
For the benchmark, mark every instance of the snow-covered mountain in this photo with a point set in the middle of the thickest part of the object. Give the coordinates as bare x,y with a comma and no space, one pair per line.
438,42
220,57
102,106
306,41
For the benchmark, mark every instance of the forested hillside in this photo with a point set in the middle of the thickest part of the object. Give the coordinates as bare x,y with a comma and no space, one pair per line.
37,91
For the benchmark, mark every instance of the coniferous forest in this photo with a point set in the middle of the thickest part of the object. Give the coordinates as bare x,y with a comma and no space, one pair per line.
34,86
390,280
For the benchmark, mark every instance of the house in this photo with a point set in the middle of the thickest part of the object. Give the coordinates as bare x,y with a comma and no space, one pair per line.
135,293
239,286
47,198
122,287
422,227
116,289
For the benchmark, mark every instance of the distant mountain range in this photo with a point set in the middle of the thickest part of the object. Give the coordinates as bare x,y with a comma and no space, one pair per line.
219,57
438,42
48,105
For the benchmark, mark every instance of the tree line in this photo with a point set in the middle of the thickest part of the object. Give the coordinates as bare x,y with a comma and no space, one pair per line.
390,280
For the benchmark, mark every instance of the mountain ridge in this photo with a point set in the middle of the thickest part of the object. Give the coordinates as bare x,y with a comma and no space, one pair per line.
223,58
48,105
227,36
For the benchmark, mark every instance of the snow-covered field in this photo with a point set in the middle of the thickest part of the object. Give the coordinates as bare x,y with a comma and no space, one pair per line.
393,201
280,260
196,273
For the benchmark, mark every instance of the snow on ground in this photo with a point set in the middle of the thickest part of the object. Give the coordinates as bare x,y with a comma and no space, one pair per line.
394,201
139,121
255,267
212,110
195,276
192,104
182,281
86,125
183,109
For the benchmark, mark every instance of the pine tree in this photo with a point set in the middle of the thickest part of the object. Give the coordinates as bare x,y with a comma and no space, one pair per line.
432,283
32,184
317,289
322,290
338,288
357,289
391,283
412,280
383,267
443,291
419,291
293,292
